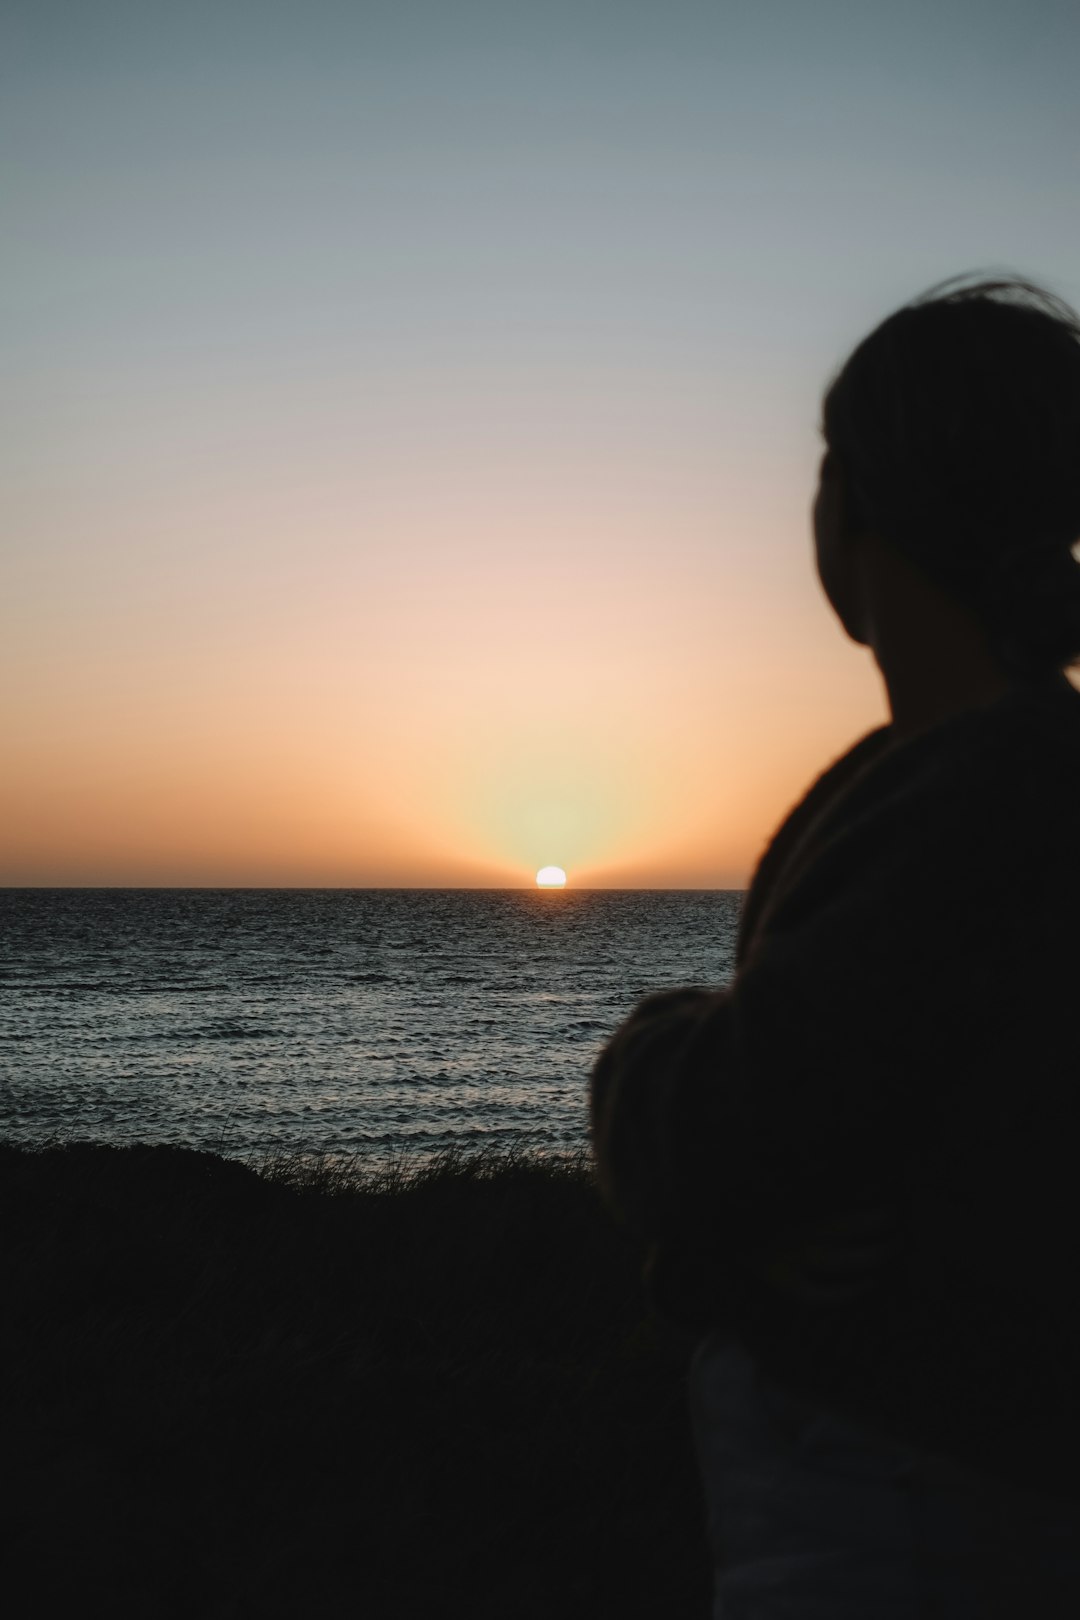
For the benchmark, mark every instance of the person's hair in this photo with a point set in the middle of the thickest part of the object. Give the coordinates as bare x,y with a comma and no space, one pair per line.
956,424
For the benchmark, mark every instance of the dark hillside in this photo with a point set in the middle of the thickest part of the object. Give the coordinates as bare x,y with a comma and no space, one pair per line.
302,1392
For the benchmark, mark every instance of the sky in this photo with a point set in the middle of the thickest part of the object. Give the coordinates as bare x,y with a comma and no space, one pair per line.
411,414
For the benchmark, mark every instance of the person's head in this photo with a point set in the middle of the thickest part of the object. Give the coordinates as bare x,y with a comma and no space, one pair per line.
953,434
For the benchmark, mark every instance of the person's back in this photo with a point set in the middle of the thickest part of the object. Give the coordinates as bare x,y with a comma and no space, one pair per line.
855,1167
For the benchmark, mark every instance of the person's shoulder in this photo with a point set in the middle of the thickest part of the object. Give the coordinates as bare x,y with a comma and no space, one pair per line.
984,787
1047,720
1031,734
1025,746
787,847
990,791
1047,710
996,790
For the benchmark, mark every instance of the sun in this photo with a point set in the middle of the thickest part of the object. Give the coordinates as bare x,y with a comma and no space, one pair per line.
550,877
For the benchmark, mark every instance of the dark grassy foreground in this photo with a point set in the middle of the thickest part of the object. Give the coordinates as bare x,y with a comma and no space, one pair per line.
230,1394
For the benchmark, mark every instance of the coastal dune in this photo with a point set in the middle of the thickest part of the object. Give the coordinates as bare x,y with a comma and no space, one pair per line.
299,1388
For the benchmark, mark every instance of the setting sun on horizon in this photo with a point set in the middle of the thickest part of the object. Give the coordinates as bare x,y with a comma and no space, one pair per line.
413,418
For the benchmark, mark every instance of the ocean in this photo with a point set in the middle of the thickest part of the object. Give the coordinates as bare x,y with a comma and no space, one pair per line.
369,1022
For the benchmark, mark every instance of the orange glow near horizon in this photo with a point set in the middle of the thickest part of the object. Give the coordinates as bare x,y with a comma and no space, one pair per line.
355,724
458,754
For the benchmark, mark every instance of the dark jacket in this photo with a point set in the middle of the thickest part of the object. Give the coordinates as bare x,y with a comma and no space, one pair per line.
863,1157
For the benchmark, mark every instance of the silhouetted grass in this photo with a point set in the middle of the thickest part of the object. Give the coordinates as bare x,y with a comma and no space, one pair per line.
314,1392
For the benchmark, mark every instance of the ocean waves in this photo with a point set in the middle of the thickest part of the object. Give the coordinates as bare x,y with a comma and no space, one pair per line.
379,1021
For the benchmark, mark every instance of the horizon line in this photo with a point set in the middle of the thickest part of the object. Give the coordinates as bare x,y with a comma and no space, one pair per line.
377,888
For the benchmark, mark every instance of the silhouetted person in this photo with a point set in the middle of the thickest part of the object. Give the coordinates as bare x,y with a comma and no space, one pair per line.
857,1169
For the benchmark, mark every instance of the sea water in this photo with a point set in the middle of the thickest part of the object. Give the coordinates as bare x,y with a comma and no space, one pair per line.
326,1020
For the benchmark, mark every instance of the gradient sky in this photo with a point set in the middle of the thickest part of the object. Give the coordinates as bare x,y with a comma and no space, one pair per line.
410,413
